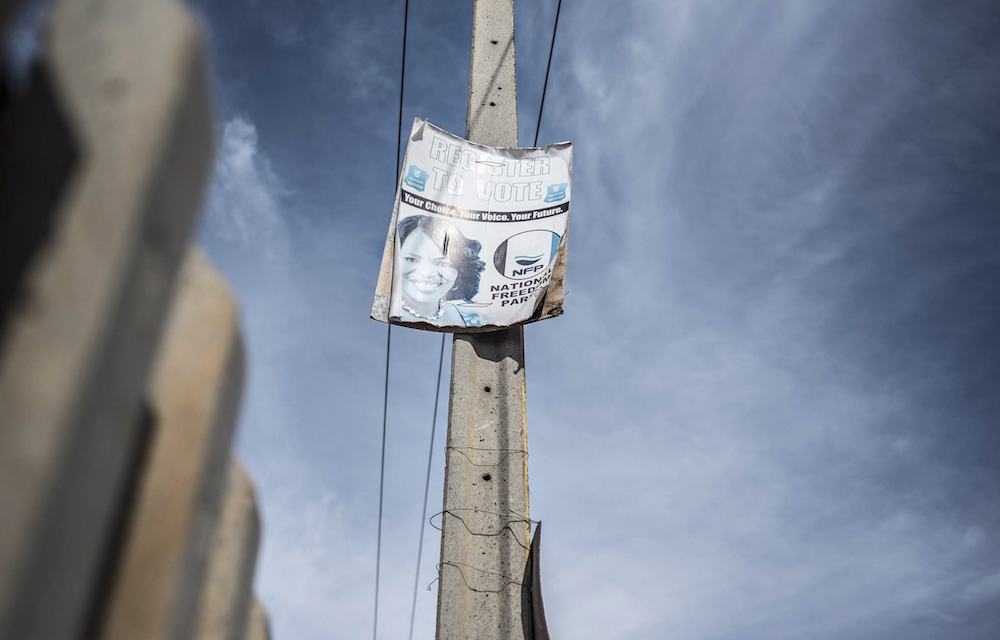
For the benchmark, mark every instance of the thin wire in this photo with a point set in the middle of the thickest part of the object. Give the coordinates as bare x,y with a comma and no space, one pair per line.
402,74
507,453
547,67
388,342
427,487
459,565
506,525
381,480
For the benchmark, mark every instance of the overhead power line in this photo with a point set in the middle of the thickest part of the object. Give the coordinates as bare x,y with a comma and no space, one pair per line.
547,68
427,487
381,480
388,341
402,77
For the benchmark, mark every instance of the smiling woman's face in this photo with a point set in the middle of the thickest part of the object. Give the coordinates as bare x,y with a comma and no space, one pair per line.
428,274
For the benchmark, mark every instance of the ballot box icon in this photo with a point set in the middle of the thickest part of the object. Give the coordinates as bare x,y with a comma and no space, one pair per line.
416,178
556,192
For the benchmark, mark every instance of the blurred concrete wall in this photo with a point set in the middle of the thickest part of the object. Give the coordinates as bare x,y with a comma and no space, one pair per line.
123,514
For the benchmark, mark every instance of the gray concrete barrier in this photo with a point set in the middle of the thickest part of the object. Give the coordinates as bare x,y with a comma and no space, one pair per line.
258,626
111,467
227,595
193,396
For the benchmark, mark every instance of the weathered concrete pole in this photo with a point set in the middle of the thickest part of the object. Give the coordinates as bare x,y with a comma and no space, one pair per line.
128,78
485,522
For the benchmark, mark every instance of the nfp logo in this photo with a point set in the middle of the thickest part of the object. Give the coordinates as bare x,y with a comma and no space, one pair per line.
526,254
416,178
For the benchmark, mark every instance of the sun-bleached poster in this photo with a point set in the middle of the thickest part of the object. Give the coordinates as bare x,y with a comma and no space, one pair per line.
477,240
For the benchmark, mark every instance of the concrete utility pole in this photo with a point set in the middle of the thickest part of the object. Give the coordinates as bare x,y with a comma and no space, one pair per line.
484,542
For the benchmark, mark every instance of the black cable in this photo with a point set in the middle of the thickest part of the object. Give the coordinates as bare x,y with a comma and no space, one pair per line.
547,67
381,480
427,487
388,342
402,74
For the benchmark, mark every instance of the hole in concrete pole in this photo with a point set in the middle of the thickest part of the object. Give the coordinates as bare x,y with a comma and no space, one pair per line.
487,477
493,41
493,104
486,389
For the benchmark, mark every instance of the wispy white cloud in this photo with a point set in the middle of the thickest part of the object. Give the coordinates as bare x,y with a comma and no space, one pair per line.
245,197
308,429
723,446
743,477
353,53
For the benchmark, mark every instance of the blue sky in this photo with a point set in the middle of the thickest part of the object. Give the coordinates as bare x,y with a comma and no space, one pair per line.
770,409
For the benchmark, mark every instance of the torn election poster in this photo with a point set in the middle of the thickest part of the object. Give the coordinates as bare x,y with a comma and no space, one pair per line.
477,239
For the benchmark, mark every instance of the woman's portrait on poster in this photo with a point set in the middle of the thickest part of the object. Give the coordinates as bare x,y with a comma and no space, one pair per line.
438,265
